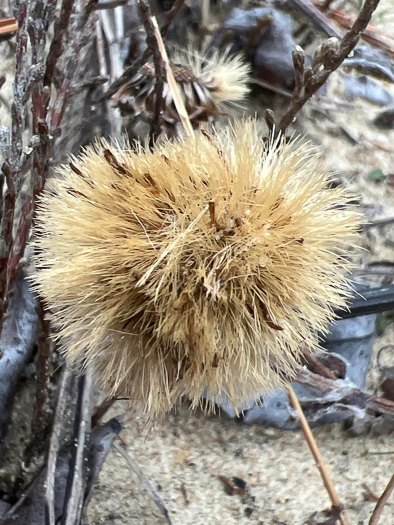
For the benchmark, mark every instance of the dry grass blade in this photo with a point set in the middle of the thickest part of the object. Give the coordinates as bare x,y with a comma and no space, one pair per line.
180,106
144,481
382,502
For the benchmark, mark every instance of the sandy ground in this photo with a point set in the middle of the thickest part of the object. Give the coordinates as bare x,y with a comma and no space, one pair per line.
184,457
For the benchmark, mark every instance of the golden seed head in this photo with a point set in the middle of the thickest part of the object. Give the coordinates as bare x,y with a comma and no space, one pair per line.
204,267
210,84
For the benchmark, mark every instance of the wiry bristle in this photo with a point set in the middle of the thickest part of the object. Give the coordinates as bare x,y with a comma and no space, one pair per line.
202,268
211,85
225,75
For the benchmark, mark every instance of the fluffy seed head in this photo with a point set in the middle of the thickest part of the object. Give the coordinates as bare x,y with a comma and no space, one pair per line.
210,84
204,267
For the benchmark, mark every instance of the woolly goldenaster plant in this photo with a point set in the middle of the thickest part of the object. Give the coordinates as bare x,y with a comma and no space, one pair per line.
204,267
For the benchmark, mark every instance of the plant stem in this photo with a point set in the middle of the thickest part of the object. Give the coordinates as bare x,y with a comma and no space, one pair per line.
382,502
328,483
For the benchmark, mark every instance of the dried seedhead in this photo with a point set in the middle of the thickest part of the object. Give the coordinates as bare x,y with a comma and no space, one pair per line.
211,85
201,268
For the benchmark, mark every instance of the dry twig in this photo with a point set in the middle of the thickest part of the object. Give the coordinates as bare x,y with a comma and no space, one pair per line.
382,502
336,504
170,17
328,57
317,17
8,25
151,40
131,70
372,34
34,76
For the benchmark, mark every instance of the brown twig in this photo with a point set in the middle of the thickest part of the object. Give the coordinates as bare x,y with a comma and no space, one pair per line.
372,34
103,408
56,47
170,16
317,367
11,168
382,502
151,40
42,408
6,237
78,39
327,59
134,67
336,504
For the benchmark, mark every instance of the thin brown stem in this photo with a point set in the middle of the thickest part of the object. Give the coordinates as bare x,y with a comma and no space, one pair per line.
329,485
170,16
382,502
146,17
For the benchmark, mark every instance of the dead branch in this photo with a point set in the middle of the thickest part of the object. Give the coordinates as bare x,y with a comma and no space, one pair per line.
372,34
328,57
8,25
317,367
131,70
33,77
170,16
56,48
146,17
